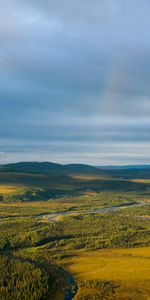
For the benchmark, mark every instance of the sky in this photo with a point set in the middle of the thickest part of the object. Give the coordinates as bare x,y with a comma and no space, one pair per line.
75,81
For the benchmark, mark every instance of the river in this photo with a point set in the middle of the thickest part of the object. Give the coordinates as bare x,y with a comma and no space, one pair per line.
53,216
72,288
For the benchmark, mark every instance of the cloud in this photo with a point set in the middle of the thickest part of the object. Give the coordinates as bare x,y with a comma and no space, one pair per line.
74,73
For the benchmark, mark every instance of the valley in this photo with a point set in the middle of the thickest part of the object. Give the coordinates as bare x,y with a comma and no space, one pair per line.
90,240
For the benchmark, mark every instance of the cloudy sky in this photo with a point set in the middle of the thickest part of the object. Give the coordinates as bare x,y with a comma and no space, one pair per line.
75,81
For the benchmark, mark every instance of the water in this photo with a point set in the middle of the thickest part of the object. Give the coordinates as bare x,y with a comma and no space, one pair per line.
52,217
72,289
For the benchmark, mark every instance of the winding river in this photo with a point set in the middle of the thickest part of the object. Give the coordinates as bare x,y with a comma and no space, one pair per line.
53,216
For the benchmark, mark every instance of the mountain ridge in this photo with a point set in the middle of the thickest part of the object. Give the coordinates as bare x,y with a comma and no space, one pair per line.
46,167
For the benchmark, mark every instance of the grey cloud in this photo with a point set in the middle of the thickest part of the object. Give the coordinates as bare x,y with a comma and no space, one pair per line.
73,72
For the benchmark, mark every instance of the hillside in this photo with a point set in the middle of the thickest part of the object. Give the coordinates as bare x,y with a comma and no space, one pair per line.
47,168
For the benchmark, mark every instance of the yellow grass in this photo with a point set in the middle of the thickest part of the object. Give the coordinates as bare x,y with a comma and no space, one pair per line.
141,181
9,189
89,177
130,268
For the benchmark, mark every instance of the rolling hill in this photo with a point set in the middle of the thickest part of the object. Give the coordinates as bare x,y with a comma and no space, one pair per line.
47,168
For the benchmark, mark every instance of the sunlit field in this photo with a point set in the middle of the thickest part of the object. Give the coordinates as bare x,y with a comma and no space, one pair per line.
9,189
119,273
147,181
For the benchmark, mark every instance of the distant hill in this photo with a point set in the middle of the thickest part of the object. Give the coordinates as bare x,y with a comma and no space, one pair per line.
127,172
54,169
81,168
49,179
47,168
31,167
127,167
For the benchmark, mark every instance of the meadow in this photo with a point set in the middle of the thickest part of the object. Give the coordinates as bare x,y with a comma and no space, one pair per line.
112,273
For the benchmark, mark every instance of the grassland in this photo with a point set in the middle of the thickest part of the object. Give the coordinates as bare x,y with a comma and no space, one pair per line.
10,189
112,273
141,180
